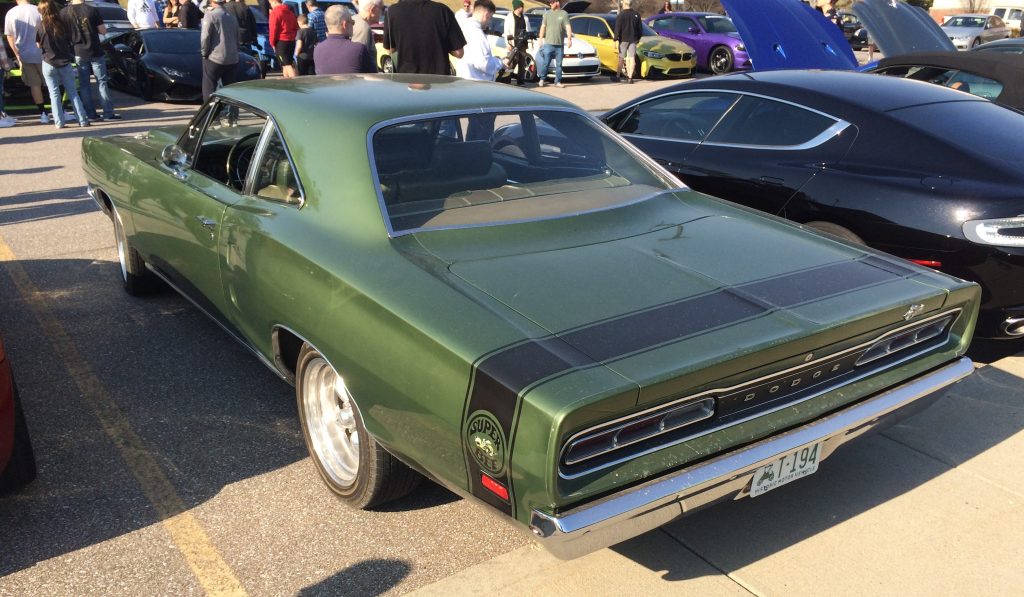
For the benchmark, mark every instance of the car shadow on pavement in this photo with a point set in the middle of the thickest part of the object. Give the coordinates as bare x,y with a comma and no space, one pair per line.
969,420
53,203
368,578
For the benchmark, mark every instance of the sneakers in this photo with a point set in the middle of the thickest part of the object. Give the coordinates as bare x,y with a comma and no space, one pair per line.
559,84
84,124
113,117
44,118
541,83
6,121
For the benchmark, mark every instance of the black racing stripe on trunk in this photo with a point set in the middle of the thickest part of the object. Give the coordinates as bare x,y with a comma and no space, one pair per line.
501,377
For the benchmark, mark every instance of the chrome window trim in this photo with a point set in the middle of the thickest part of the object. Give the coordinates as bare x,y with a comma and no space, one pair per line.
671,182
837,127
597,428
270,130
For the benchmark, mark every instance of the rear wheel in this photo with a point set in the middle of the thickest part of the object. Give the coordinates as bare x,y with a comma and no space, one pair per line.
21,468
836,230
353,464
720,60
386,65
136,278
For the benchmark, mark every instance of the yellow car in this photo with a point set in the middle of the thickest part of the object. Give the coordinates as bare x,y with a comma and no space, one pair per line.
654,53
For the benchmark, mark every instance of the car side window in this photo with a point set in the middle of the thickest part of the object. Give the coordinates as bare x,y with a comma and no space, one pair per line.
275,175
768,123
583,26
189,141
682,117
683,24
662,23
228,144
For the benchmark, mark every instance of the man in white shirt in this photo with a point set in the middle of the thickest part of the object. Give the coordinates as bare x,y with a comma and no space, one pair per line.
477,61
142,14
20,27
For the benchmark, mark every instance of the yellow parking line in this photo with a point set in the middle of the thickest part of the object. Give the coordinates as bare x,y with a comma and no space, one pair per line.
213,573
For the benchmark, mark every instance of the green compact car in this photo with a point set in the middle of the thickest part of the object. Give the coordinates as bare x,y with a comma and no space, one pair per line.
487,287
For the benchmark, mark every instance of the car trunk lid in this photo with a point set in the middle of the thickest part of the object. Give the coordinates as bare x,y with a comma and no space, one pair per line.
899,28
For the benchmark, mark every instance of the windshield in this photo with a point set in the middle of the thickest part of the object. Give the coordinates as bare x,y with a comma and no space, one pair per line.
975,22
717,25
170,41
504,167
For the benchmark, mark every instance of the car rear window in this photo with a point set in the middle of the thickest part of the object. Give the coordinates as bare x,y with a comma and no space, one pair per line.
980,127
768,123
498,167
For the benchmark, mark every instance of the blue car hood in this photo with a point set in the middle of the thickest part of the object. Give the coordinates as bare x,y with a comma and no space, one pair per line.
787,34
899,28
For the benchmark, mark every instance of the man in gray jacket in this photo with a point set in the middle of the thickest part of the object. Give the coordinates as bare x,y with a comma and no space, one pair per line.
218,44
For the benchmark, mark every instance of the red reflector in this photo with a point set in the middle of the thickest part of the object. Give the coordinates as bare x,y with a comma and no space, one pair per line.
927,262
494,487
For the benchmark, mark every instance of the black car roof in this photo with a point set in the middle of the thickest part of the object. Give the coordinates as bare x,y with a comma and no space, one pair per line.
825,88
1007,69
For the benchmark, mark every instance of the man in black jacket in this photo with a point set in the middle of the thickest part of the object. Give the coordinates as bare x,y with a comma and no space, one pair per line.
628,31
246,23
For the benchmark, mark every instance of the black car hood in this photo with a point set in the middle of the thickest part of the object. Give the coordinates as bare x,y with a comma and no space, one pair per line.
900,28
191,65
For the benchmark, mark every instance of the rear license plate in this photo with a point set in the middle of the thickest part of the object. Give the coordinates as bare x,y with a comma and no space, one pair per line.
790,467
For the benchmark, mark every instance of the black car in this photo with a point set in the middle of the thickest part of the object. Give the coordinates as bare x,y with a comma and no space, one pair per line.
853,30
164,64
997,76
1013,45
921,171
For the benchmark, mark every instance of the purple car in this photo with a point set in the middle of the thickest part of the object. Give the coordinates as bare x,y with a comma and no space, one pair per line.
713,36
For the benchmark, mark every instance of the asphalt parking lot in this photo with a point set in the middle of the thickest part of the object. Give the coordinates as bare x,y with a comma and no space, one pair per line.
171,461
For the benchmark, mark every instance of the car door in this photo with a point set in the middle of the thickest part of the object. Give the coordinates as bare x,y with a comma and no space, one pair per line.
121,57
178,208
669,128
600,36
764,150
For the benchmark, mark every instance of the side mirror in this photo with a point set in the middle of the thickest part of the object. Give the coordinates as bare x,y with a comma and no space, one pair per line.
122,49
604,35
175,158
693,29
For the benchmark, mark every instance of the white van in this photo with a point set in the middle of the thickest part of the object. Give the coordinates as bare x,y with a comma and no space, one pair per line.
1010,14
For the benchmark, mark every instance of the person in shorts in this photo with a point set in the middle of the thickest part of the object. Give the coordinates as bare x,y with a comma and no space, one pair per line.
20,26
284,29
628,31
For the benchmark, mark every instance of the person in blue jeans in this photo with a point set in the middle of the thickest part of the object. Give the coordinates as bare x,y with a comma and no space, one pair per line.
554,32
54,37
86,28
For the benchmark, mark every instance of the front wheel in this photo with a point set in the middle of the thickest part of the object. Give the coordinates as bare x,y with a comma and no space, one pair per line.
353,464
976,42
136,278
720,60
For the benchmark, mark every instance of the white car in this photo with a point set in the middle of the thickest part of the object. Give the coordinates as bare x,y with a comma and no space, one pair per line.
580,60
1011,15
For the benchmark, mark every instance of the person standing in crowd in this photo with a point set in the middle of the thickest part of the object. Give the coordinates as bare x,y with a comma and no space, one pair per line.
466,12
666,7
87,26
170,18
246,22
628,31
517,32
420,35
142,14
316,20
339,55
304,45
477,62
283,30
54,38
20,26
5,65
190,16
362,32
218,44
554,32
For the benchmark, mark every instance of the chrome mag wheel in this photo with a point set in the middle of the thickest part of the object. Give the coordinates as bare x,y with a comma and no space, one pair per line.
331,424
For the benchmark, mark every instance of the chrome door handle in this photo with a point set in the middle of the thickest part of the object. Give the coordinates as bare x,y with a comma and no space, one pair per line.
206,223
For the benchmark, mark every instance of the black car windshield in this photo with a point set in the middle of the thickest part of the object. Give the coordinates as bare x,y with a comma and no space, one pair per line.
171,41
489,168
717,24
975,22
975,126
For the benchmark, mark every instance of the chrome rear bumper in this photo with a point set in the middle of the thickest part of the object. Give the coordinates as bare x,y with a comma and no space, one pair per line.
635,511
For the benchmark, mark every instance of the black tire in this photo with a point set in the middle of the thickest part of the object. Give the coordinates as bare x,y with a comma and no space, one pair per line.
21,468
976,42
720,60
387,66
143,88
380,477
137,280
836,230
529,71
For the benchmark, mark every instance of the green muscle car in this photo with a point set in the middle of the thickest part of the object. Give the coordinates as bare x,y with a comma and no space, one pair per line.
487,287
